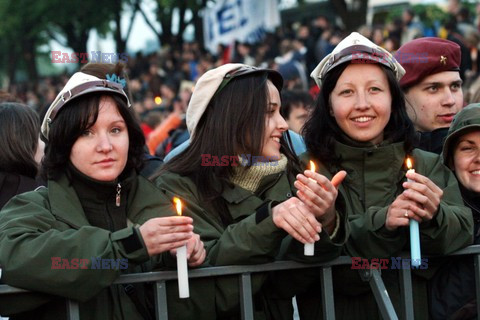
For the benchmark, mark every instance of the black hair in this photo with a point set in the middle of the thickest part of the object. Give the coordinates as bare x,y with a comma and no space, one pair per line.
321,129
76,117
19,133
233,124
295,97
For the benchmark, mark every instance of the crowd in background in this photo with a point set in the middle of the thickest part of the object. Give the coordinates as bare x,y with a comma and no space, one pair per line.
161,83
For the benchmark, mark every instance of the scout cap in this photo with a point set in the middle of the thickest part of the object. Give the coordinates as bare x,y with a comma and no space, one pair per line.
358,49
215,80
467,120
78,85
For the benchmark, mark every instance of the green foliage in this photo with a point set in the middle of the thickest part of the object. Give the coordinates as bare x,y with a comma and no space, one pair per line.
427,14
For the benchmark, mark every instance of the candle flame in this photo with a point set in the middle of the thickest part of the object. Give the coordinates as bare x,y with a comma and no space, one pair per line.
409,163
178,205
312,166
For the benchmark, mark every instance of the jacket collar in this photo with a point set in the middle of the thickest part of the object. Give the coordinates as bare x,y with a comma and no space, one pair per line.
64,202
66,206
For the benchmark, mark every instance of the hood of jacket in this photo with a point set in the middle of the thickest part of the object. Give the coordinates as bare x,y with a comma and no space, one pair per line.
467,120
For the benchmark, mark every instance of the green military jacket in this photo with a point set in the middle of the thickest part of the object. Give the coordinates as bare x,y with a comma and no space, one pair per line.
253,238
39,225
374,179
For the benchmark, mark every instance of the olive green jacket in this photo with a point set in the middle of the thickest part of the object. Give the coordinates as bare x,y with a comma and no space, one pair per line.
374,179
39,225
253,238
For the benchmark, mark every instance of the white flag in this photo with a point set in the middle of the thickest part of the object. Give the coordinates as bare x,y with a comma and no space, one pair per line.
239,20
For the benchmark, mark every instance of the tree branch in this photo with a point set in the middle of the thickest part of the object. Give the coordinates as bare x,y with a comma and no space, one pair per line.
148,22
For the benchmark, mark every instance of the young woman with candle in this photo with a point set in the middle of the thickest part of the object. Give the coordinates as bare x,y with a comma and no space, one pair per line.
243,199
97,219
360,125
453,287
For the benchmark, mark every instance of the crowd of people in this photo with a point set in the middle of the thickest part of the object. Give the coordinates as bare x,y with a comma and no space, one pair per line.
233,136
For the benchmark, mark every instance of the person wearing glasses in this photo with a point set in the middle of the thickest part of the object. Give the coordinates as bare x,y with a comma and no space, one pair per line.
360,125
98,218
238,181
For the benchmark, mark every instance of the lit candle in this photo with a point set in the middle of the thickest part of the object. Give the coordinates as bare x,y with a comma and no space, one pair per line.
414,229
308,249
182,268
312,168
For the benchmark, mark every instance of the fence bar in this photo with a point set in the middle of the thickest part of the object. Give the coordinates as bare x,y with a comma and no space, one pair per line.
161,311
476,263
328,304
246,303
73,310
380,292
406,292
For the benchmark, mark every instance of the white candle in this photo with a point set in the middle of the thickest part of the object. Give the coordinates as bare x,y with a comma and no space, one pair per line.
308,249
182,267
415,254
182,270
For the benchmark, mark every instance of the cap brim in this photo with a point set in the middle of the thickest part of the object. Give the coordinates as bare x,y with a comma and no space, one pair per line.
451,138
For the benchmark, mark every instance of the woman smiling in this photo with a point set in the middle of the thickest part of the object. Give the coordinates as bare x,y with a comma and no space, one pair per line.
360,125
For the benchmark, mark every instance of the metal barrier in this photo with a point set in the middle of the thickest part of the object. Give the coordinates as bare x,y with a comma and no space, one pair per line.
373,277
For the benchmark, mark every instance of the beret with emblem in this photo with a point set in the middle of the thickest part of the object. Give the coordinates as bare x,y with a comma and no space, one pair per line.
426,56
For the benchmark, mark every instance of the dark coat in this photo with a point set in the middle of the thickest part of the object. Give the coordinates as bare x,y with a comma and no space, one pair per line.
50,222
375,176
431,141
12,184
452,289
252,238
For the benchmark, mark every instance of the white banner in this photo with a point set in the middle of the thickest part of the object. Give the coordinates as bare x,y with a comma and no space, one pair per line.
240,20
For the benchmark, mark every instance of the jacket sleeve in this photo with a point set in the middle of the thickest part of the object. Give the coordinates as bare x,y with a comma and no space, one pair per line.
160,133
327,248
40,253
254,239
452,227
370,237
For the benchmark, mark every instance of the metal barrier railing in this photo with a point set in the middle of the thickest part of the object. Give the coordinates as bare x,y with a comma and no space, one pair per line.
372,276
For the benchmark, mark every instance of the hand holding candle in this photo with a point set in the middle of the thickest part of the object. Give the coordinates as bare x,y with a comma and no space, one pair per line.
182,268
321,201
414,229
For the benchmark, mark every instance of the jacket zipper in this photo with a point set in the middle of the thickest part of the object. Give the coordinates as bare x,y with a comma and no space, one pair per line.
117,197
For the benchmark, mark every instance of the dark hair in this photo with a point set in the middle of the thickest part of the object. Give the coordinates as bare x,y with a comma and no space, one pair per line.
19,133
321,129
80,114
233,123
295,97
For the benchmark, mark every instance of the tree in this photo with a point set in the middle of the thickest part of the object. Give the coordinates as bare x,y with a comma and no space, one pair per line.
133,7
75,20
22,23
165,11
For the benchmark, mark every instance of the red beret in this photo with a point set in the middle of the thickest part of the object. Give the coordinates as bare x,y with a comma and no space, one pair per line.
426,56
